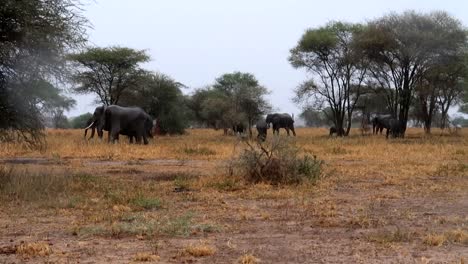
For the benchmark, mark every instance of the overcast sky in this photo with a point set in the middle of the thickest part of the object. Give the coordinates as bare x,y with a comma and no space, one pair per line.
196,41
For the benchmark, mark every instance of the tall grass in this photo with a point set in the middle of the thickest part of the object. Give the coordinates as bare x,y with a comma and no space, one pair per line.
33,186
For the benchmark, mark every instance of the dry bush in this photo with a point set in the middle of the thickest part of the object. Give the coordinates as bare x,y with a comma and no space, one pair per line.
435,240
200,250
34,249
248,259
458,236
146,257
277,162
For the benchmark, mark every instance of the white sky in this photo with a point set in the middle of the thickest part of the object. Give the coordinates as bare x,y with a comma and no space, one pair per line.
197,41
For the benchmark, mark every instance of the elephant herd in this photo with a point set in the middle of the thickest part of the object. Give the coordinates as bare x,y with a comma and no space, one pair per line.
277,121
393,125
135,123
379,122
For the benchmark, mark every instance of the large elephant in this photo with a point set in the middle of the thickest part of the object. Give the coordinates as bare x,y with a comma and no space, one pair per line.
130,121
379,122
262,129
281,121
393,126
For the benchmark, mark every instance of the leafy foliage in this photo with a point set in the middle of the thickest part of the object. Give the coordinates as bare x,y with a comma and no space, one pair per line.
338,69
80,121
108,72
404,48
34,36
234,98
161,97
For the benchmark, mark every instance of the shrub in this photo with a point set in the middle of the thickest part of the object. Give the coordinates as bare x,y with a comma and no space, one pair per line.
278,162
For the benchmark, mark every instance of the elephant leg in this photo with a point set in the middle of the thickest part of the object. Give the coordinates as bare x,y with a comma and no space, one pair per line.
92,133
114,135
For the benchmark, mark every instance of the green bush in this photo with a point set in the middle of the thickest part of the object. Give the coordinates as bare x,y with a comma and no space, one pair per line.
277,162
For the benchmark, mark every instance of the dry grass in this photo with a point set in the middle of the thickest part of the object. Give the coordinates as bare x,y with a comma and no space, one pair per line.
370,186
200,250
248,259
207,144
34,249
435,240
146,257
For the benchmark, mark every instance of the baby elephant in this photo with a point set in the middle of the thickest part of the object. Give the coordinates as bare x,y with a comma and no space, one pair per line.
333,130
262,129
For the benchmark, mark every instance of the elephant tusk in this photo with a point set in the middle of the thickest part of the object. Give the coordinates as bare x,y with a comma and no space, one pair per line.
90,125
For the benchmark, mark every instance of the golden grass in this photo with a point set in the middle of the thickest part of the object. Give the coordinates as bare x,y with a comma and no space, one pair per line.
34,249
248,259
435,240
200,250
146,257
134,198
207,144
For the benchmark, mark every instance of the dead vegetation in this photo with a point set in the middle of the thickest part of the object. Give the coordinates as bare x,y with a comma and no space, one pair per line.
401,198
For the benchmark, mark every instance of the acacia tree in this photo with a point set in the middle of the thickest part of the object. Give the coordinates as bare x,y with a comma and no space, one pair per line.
234,98
403,48
34,37
454,85
161,97
245,95
338,71
108,72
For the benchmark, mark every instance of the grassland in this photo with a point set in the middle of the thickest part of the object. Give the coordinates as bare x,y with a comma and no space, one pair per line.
173,201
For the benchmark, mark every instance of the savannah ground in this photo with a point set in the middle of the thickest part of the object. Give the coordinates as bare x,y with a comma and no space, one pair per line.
172,201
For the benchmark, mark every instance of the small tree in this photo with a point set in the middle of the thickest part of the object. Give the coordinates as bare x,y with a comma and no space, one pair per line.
161,97
108,72
246,97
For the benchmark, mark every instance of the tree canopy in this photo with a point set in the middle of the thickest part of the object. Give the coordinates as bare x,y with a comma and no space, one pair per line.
35,35
338,69
234,98
161,97
108,72
410,59
404,48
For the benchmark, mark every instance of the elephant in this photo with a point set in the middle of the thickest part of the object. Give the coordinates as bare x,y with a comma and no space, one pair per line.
378,123
333,130
393,125
238,128
130,121
129,134
262,129
279,120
